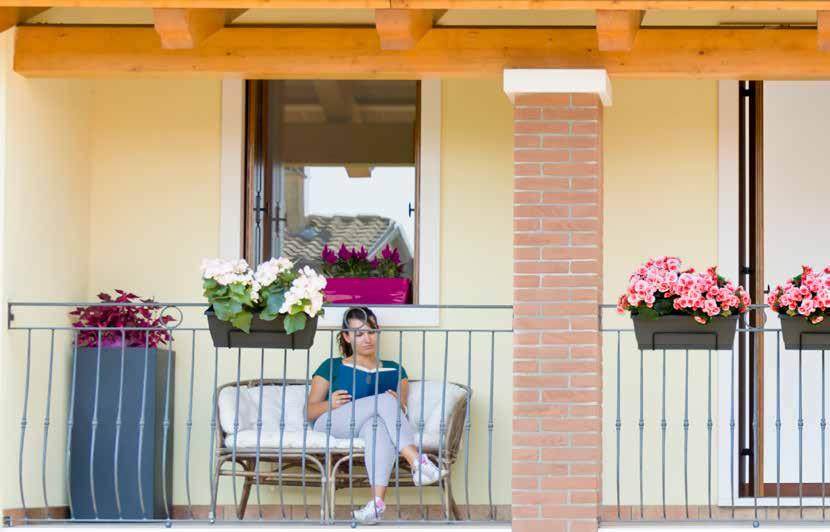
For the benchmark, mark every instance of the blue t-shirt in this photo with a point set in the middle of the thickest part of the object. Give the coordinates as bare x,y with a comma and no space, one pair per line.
330,371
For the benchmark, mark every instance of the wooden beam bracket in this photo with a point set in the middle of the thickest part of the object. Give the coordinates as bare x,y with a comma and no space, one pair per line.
617,29
184,29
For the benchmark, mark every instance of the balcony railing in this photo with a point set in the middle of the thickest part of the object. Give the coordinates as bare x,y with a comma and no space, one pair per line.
190,432
730,435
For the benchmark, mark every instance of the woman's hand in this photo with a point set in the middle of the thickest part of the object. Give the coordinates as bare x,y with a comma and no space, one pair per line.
394,394
340,398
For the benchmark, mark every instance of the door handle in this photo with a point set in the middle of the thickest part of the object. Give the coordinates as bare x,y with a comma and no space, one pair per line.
411,209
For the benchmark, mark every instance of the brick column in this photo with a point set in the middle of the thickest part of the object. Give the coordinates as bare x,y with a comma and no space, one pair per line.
557,250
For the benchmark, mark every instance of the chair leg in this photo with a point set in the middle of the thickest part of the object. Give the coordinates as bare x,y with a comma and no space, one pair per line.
449,500
246,494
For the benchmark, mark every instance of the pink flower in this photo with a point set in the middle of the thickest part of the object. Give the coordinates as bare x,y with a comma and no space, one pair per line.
711,307
807,307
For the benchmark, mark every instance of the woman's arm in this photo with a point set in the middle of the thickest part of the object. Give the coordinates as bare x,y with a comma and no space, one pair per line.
404,394
318,404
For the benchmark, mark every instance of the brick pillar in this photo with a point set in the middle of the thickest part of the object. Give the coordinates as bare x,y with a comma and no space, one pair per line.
557,368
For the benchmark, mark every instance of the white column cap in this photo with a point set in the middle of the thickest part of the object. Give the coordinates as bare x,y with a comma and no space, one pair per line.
558,81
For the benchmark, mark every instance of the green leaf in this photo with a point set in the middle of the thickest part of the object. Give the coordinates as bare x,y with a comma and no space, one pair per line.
226,309
242,320
647,313
294,323
663,306
273,303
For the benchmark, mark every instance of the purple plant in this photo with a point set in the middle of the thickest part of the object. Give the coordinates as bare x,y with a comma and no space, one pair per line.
95,318
356,263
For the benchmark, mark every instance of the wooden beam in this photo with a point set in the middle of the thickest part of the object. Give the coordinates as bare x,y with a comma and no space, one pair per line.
401,29
12,16
823,30
337,103
360,144
183,29
616,29
354,53
358,171
731,5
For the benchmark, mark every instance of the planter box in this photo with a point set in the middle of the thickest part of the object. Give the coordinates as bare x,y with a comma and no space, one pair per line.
683,332
150,442
263,335
799,333
369,291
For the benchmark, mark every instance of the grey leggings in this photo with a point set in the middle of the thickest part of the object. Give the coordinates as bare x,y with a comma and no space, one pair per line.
381,452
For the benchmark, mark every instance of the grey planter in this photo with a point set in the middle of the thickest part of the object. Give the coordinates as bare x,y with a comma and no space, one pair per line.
141,449
263,335
799,333
683,332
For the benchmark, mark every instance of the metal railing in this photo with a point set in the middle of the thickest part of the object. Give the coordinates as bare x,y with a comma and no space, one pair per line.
735,435
129,446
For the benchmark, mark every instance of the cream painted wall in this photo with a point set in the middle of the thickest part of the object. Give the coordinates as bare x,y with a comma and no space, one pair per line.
45,256
661,172
155,186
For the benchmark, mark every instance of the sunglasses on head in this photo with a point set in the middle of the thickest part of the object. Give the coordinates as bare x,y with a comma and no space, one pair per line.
364,315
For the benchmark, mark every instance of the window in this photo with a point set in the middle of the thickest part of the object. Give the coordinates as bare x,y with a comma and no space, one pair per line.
331,163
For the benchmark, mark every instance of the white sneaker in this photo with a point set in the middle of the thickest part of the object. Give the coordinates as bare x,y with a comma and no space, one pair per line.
370,514
425,472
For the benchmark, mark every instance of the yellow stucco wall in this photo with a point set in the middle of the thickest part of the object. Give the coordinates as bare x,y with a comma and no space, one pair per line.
44,162
661,172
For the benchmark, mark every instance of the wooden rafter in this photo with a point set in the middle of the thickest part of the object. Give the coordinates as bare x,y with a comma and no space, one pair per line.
182,29
823,30
12,16
616,29
808,5
401,29
354,53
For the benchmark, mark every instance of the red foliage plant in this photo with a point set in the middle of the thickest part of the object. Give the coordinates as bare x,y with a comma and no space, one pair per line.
108,322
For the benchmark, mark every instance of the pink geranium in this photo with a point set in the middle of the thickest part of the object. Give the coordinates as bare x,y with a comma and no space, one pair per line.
659,287
806,295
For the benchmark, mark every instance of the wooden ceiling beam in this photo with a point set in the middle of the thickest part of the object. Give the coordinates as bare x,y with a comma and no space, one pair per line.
184,29
823,30
731,5
355,53
12,16
617,28
401,29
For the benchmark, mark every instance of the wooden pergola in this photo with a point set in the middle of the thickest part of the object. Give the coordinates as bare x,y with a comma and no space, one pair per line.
195,38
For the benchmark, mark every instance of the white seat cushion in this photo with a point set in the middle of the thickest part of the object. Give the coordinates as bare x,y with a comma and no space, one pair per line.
273,415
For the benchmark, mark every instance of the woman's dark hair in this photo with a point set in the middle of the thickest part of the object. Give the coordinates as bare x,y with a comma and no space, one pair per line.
362,314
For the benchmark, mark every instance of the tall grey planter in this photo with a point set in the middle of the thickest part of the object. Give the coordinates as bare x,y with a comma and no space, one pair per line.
138,453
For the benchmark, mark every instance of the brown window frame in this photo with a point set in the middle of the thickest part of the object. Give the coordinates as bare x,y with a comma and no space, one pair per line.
258,168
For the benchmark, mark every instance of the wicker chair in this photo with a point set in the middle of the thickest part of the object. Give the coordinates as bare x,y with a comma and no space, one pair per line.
312,468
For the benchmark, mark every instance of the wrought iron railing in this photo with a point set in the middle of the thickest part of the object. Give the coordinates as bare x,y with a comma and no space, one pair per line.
735,435
225,425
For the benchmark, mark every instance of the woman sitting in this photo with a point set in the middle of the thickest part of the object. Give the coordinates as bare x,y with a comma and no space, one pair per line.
384,442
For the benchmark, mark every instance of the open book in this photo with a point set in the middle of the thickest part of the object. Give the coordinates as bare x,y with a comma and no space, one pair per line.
360,382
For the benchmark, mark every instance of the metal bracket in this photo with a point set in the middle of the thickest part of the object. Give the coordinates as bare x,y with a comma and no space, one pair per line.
9,316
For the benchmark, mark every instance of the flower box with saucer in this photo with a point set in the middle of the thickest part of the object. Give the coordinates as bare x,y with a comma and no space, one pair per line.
674,309
803,303
272,307
354,278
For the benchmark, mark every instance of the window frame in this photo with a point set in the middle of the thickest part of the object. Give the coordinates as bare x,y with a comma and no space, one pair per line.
427,194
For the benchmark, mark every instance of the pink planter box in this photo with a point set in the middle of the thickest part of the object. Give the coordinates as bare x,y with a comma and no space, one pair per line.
368,291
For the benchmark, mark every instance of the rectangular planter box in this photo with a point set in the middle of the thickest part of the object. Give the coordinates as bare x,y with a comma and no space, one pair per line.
263,335
799,333
683,332
369,291
139,452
